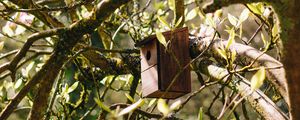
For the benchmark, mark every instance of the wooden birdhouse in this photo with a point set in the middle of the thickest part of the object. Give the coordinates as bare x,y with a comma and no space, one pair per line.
159,68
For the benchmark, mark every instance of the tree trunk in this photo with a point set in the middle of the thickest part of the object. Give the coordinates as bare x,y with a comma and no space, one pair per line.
290,27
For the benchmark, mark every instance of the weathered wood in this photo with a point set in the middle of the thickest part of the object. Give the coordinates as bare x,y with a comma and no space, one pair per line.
159,66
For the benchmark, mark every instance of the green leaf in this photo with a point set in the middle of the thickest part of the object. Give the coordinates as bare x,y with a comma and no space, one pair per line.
151,102
163,107
218,13
161,38
172,5
233,20
231,38
258,78
8,30
244,15
1,45
175,105
101,105
255,8
129,97
192,14
263,39
19,30
132,107
73,87
164,22
107,79
106,39
222,52
18,83
233,56
209,20
200,114
30,66
25,72
275,30
178,22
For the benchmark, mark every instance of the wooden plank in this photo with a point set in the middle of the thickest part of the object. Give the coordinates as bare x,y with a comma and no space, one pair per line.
167,65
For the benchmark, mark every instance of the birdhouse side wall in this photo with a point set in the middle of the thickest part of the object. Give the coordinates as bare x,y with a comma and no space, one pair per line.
167,65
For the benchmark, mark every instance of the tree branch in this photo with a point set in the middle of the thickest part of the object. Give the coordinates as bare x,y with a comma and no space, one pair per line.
22,53
276,75
68,38
258,100
45,17
218,4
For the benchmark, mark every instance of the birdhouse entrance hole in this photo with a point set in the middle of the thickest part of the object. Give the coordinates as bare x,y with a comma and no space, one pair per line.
148,55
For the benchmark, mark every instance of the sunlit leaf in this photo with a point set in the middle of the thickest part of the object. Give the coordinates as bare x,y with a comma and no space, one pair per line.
209,20
201,14
263,39
244,15
218,13
29,67
101,105
231,38
254,8
65,89
178,22
8,30
275,30
172,5
25,72
222,53
129,97
18,83
164,22
258,78
163,107
192,14
158,5
261,7
1,45
152,102
20,30
233,56
200,114
161,38
73,87
131,107
233,20
106,80
175,105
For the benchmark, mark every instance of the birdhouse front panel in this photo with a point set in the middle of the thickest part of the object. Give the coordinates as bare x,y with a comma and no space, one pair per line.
149,68
162,70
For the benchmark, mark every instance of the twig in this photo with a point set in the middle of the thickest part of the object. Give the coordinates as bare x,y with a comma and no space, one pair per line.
139,111
22,53
194,94
52,99
46,9
255,33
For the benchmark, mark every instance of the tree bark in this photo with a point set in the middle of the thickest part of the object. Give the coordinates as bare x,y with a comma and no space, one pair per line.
290,29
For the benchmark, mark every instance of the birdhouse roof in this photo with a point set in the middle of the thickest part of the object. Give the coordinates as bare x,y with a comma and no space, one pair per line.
145,41
153,37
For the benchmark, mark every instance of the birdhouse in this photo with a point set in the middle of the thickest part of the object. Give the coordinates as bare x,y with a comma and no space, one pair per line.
162,75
